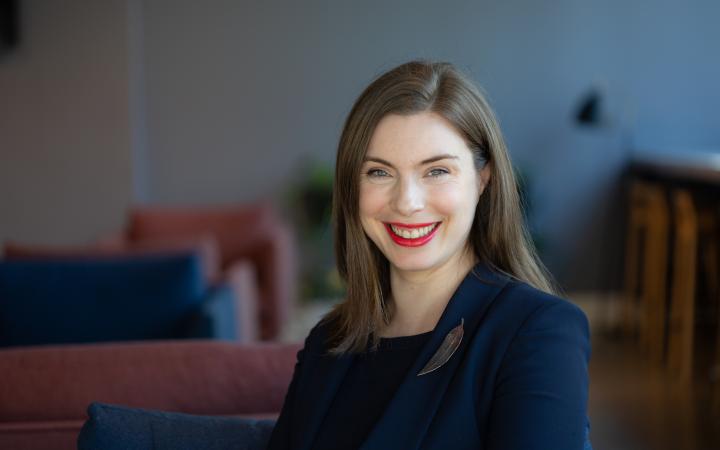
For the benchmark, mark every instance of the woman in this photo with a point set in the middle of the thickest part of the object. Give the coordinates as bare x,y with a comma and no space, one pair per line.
451,335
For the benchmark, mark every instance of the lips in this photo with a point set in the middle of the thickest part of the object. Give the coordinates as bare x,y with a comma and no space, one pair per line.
412,235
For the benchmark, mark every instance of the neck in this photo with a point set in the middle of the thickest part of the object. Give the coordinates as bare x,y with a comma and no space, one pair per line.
420,297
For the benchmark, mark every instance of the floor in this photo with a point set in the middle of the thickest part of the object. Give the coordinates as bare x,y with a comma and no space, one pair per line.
636,406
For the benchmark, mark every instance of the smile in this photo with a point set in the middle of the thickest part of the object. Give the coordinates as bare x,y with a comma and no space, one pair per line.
412,235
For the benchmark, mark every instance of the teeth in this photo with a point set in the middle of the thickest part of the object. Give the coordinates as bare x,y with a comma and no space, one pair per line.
412,233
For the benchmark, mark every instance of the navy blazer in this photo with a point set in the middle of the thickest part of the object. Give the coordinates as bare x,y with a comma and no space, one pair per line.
518,380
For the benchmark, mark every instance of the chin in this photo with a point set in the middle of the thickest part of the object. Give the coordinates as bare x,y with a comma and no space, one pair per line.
413,263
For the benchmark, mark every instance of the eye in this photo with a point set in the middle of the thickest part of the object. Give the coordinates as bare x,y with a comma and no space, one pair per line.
377,173
438,172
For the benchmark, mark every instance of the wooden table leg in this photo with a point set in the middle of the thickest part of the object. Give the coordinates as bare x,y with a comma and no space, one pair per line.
681,330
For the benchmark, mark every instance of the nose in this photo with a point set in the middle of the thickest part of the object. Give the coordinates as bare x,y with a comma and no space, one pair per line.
408,198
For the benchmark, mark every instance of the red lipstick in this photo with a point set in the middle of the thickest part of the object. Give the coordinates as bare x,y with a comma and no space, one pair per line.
410,242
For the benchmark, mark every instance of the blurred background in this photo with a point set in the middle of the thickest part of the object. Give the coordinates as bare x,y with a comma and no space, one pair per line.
196,140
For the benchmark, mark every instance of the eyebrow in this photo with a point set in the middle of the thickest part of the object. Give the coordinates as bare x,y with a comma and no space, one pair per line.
422,163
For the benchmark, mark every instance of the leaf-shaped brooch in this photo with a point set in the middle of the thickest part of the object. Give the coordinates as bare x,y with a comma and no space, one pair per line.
446,350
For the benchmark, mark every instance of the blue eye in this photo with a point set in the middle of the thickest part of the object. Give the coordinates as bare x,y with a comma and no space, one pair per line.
438,172
377,173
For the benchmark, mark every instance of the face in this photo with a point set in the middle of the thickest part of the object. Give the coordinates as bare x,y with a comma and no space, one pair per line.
418,191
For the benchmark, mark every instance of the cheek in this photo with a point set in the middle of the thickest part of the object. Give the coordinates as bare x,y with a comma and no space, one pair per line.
455,199
372,201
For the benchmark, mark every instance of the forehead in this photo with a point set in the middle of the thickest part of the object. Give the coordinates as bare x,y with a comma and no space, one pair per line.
416,137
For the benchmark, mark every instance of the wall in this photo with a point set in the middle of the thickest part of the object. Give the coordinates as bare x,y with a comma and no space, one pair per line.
65,160
240,92
216,102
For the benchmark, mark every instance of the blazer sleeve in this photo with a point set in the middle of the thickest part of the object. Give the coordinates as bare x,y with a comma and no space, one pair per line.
540,394
280,437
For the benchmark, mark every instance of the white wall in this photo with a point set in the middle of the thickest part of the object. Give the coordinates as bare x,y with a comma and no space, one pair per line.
65,156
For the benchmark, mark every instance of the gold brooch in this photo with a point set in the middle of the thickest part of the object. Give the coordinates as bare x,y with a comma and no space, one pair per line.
446,350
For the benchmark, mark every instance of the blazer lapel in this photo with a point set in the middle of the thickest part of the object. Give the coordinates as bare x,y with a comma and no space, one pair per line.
324,379
413,406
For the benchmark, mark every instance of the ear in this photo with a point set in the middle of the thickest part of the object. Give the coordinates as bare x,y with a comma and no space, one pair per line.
483,177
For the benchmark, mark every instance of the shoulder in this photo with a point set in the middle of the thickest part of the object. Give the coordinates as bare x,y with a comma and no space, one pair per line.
535,300
317,339
529,308
548,328
501,298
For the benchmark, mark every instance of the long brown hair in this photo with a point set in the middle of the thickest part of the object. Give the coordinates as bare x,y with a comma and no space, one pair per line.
498,236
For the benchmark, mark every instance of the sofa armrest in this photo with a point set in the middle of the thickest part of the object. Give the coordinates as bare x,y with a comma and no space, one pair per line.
230,309
58,382
241,278
217,317
274,254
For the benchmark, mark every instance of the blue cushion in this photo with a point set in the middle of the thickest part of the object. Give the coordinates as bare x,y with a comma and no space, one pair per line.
219,316
107,299
112,427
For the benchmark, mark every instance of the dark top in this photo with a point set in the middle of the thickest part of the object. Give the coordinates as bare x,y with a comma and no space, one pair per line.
366,390
518,380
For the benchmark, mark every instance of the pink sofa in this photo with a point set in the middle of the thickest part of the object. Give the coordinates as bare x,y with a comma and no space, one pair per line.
252,232
45,391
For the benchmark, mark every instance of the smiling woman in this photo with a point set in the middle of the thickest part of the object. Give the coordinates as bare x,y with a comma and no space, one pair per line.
451,335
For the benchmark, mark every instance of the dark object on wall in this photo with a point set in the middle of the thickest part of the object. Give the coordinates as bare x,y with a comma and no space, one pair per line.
588,111
9,30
